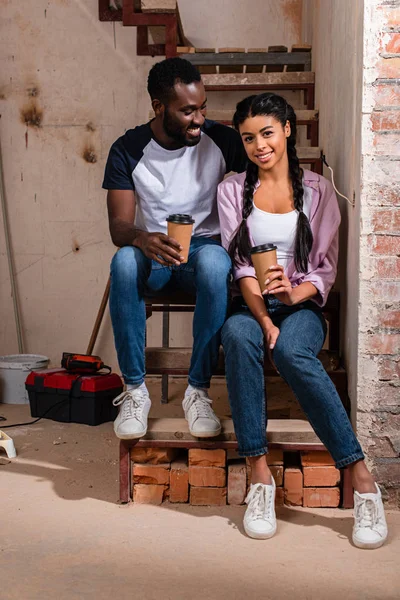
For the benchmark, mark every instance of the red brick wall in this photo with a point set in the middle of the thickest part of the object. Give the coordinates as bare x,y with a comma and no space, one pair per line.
378,415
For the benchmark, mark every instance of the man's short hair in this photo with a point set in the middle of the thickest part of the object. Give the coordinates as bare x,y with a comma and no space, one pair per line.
165,74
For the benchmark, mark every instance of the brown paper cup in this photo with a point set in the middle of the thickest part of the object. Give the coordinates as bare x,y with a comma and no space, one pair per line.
263,258
182,233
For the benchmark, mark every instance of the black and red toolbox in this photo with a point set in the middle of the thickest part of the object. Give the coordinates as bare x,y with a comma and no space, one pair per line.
60,395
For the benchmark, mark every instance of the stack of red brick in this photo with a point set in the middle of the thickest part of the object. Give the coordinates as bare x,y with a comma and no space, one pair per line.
211,477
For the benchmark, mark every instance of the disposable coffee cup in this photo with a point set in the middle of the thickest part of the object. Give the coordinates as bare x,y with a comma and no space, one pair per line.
180,228
263,257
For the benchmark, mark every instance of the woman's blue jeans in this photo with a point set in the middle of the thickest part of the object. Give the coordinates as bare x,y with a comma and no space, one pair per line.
206,275
302,334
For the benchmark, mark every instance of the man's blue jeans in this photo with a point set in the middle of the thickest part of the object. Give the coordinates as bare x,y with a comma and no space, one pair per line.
302,334
206,275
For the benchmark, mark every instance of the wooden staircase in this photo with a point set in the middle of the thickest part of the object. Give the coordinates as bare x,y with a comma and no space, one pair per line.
227,70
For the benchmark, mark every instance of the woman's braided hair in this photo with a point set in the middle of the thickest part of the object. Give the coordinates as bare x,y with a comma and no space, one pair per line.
272,105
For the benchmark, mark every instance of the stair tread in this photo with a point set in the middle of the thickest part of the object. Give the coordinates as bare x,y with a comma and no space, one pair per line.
225,114
233,79
279,430
179,359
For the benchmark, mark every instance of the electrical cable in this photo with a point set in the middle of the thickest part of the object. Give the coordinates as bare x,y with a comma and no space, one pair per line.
333,181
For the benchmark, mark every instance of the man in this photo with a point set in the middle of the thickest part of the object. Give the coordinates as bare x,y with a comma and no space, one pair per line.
172,164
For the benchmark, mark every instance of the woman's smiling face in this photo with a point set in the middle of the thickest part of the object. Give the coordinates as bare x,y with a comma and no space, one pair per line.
264,140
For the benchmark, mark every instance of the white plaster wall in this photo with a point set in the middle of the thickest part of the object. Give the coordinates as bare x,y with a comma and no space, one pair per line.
89,86
335,29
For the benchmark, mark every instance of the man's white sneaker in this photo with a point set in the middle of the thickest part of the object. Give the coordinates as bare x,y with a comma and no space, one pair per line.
131,422
202,420
259,519
370,528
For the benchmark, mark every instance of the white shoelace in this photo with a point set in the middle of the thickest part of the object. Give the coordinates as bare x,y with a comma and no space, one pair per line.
132,403
366,513
259,501
201,404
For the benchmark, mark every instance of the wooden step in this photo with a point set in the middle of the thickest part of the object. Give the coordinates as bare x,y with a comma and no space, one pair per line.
304,117
177,361
158,6
279,431
258,80
233,57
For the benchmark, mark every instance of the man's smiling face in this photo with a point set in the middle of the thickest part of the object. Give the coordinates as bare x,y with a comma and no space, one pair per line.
184,113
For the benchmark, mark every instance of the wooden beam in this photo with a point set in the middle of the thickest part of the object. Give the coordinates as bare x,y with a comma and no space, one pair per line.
279,431
250,58
242,79
158,6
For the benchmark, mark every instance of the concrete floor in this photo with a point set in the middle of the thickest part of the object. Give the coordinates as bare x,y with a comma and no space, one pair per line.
63,535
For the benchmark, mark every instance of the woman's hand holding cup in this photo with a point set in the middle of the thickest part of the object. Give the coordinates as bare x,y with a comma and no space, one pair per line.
278,284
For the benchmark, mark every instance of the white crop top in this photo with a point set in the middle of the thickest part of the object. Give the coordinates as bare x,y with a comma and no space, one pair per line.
277,228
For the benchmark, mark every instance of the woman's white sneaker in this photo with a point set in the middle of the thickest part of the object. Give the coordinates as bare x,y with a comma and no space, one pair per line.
259,519
370,528
131,422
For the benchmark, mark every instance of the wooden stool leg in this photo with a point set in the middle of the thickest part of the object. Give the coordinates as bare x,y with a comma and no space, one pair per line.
124,472
347,489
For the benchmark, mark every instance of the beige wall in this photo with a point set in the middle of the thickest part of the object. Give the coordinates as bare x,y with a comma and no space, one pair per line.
335,29
82,84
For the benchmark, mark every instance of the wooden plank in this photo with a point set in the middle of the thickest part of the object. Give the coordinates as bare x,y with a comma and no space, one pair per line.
158,6
256,68
276,68
249,58
225,115
185,50
296,49
258,79
206,69
285,431
232,67
159,360
306,152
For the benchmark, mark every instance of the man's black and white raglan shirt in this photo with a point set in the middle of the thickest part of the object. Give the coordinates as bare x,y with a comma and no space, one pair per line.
174,181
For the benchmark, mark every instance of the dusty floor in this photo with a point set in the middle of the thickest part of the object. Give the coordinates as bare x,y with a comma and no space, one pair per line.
63,535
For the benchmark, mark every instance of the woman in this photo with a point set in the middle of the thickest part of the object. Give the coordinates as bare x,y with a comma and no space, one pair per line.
276,202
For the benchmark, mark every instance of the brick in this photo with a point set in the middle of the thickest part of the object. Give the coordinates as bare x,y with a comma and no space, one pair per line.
388,68
383,195
380,448
387,95
280,496
316,459
154,456
383,343
386,220
275,457
322,497
388,291
151,474
387,471
148,494
237,483
390,318
321,476
202,496
207,458
392,45
385,120
179,482
388,245
388,369
207,476
293,486
387,268
277,474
